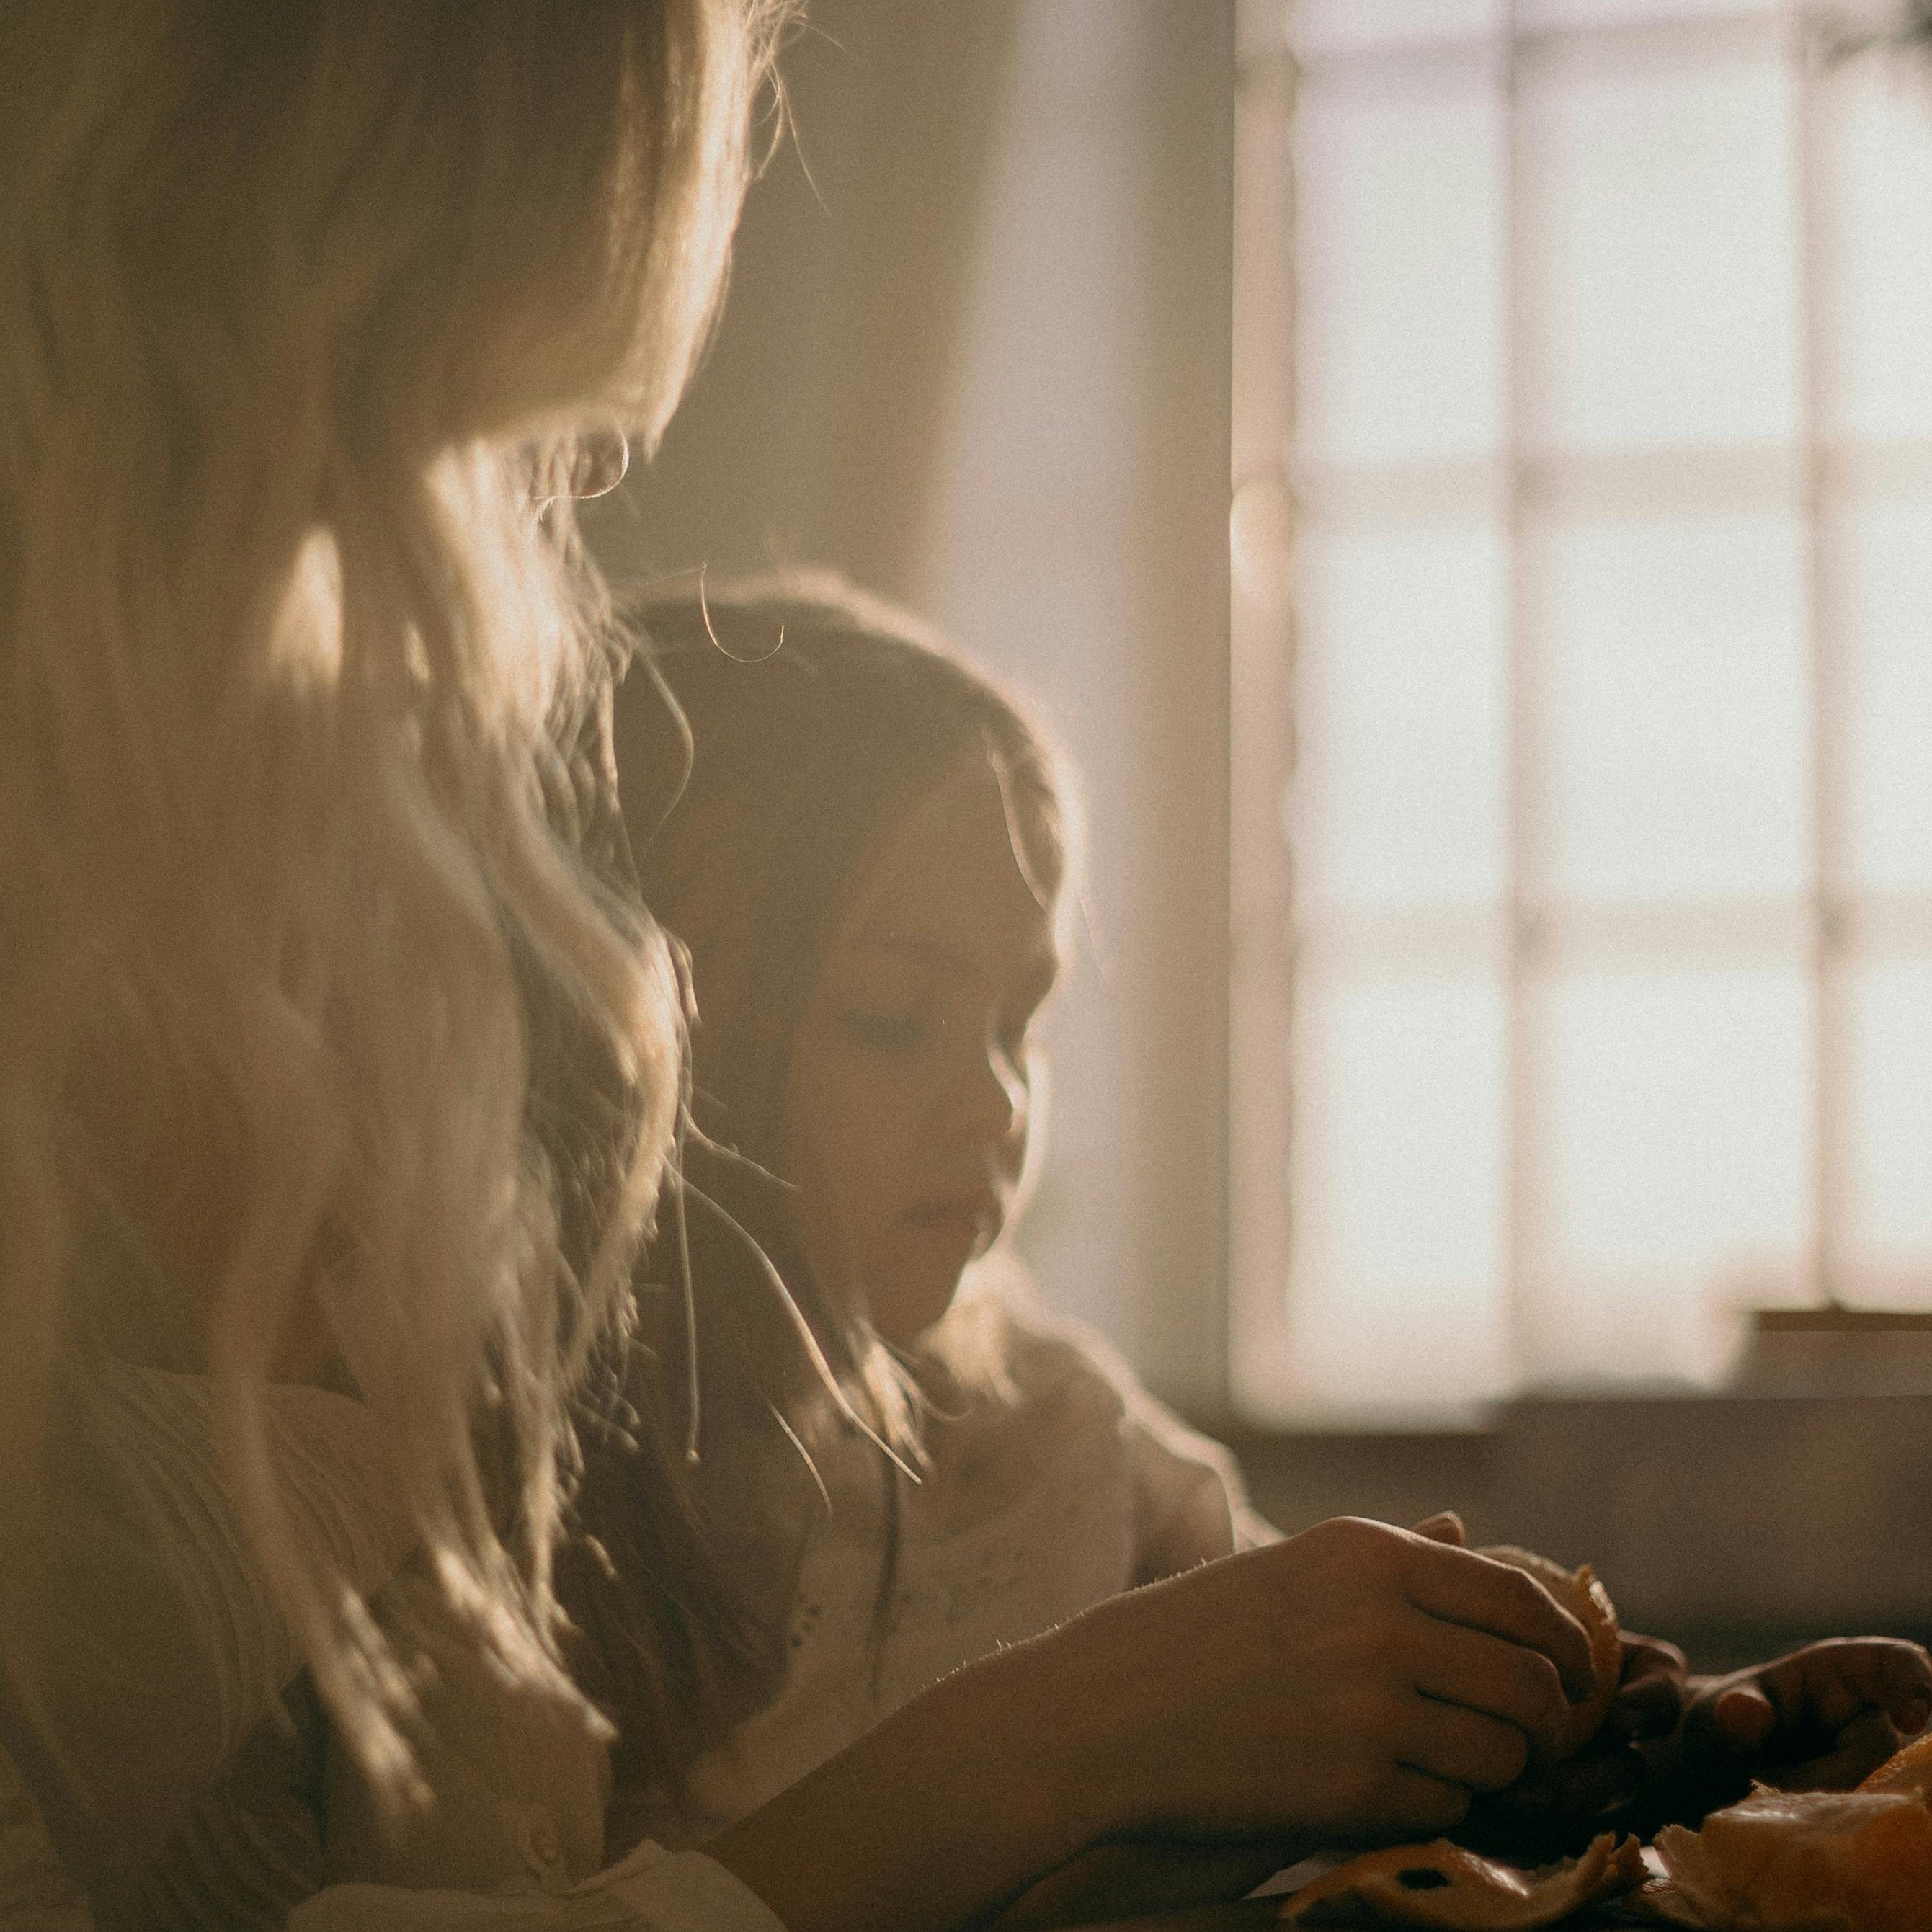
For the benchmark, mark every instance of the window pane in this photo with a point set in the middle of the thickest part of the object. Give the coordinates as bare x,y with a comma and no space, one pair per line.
1676,1138
1887,556
1887,1245
1678,693
1876,131
1399,264
1661,298
1397,1178
1399,793
1319,26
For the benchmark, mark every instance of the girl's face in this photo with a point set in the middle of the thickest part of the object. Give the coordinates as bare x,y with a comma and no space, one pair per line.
907,1100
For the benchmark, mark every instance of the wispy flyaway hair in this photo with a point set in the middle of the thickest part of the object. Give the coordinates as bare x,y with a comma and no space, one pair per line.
771,733
304,309
816,714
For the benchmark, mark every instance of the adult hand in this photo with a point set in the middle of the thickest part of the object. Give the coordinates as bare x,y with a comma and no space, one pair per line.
1818,1720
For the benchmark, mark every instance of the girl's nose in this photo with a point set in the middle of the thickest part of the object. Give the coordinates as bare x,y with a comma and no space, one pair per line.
991,1097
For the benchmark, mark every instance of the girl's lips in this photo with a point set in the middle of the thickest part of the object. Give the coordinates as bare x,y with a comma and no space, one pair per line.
978,1214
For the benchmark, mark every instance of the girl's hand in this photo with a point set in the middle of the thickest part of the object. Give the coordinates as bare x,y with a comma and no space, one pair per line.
1556,1813
1354,1682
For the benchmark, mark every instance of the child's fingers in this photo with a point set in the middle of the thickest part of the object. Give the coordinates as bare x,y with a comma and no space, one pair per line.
1650,1700
1462,1746
1460,1587
1444,1526
1505,1682
1741,1717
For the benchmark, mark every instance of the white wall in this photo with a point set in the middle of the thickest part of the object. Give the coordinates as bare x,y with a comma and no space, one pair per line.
1077,541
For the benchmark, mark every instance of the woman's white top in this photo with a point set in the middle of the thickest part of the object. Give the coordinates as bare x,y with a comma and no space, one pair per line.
171,1685
168,1676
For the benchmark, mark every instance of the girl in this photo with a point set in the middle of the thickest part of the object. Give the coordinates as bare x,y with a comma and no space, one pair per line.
871,859
874,861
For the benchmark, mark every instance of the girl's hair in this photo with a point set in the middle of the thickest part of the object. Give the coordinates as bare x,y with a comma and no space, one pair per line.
304,308
808,720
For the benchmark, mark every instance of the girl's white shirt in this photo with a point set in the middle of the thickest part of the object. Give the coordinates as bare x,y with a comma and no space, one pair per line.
1035,1508
1073,1486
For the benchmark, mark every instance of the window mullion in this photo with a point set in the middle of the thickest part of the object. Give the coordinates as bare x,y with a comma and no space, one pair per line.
1520,1138
1826,925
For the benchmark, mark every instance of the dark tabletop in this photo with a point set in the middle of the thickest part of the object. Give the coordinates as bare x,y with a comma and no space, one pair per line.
1258,1912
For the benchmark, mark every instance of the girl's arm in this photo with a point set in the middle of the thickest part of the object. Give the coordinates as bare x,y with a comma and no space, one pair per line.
1190,1504
1355,1682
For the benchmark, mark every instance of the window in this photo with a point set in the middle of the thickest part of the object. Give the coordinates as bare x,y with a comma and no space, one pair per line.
1582,751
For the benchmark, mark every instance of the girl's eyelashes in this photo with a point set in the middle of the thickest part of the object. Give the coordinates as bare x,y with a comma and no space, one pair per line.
897,1025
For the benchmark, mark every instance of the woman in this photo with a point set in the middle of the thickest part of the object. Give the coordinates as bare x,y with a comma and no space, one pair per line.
308,310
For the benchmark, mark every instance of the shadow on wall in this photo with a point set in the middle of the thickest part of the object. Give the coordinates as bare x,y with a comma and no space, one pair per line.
814,431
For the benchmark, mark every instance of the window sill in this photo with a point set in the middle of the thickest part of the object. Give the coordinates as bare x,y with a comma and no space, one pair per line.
1761,1512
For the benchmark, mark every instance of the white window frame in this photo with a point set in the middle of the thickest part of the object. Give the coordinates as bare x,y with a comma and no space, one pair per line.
1838,922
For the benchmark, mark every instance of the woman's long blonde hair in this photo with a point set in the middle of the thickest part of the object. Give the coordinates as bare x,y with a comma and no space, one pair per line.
304,308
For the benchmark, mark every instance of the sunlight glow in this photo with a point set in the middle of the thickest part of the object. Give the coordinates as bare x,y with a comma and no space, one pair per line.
1610,815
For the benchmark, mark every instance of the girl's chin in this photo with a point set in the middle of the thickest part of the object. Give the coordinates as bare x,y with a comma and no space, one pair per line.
917,1304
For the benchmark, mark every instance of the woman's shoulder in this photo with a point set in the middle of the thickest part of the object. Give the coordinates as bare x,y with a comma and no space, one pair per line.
157,1648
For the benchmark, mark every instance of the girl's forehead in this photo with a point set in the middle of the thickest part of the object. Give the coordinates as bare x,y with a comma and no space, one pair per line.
953,878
